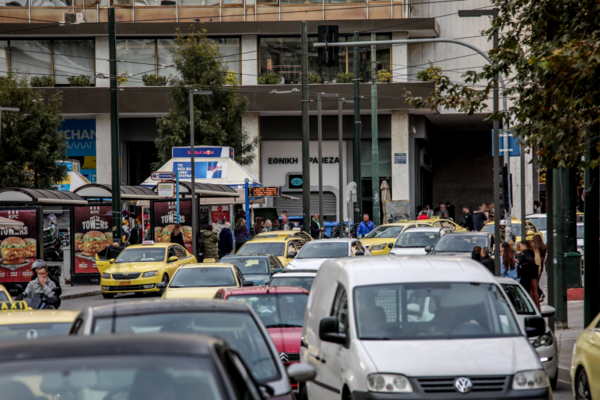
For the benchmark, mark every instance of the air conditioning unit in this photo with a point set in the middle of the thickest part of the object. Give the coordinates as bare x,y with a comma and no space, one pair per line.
73,18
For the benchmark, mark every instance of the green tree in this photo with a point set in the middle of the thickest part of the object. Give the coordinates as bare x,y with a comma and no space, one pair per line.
549,52
30,145
217,118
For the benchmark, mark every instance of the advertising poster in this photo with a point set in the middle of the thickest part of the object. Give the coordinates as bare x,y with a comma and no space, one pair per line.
165,217
93,233
220,214
204,169
19,247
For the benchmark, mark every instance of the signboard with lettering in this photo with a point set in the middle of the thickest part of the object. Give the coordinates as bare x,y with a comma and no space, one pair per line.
162,176
166,190
81,137
264,191
204,169
20,247
92,227
164,218
203,152
400,158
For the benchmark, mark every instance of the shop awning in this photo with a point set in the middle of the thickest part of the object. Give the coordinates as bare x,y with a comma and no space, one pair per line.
206,190
39,196
104,191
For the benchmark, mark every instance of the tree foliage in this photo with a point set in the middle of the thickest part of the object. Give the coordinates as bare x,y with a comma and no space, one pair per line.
549,52
30,145
217,118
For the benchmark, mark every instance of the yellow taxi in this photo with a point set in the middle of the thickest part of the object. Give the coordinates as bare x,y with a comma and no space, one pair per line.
18,322
203,281
280,246
4,294
585,364
139,268
445,223
516,229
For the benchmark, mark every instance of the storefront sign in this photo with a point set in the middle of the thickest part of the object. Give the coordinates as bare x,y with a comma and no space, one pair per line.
295,181
81,137
295,160
203,152
204,169
20,248
92,234
220,214
164,218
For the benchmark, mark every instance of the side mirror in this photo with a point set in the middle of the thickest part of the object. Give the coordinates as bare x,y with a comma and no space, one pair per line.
161,285
428,249
112,260
276,270
359,253
535,326
301,372
292,254
548,311
390,245
329,331
173,259
248,283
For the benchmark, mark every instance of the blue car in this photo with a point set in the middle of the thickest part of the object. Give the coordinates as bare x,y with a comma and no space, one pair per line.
256,268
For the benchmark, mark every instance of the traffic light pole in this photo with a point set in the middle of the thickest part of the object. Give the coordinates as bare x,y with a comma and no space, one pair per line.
114,127
305,133
374,136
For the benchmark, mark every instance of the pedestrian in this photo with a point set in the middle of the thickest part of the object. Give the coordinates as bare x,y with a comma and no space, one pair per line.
537,207
428,211
211,239
446,216
508,267
134,236
268,226
241,214
488,261
540,252
241,234
476,254
419,209
503,232
275,224
365,227
451,210
226,240
423,215
438,208
258,226
528,271
441,210
479,218
315,227
177,235
467,221
285,224
491,215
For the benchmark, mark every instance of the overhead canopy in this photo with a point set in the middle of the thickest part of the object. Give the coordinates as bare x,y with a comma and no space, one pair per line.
39,196
206,190
104,191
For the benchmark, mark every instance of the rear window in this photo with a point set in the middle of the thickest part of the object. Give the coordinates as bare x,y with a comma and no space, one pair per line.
33,331
203,277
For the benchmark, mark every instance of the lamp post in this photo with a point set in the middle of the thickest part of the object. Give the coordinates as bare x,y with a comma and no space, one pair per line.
341,101
320,151
194,92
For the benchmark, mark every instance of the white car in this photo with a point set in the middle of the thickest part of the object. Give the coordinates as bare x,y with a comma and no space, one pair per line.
315,252
300,278
414,241
417,327
546,344
540,222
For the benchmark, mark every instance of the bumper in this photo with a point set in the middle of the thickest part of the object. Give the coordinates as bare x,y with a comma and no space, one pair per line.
134,285
536,394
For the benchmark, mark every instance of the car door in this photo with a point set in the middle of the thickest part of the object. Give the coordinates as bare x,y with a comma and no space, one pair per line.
171,265
592,350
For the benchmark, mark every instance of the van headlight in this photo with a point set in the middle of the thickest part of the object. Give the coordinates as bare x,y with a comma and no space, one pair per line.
378,247
543,340
389,383
535,379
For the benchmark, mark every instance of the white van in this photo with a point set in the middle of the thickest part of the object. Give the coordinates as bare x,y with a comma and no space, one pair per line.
417,327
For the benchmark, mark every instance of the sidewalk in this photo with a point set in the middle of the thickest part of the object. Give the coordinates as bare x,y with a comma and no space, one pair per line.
74,292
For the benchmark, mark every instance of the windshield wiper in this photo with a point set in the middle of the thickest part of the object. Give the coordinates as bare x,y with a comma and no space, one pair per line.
283,326
375,338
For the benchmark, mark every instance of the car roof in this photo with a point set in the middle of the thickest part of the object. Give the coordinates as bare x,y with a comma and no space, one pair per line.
278,239
165,306
36,316
296,272
394,224
247,256
346,240
469,233
265,290
108,345
425,229
536,215
383,270
143,246
206,265
506,280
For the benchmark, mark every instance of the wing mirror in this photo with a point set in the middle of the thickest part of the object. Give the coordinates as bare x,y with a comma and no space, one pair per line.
292,254
112,260
276,270
301,372
359,253
535,326
248,283
173,259
161,285
548,311
390,245
428,249
329,331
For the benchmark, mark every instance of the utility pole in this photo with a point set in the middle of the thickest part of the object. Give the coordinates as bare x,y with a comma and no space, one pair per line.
305,132
114,126
341,164
559,186
357,132
550,242
320,150
374,135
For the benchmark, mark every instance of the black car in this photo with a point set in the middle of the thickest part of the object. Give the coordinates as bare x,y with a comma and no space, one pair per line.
461,244
133,367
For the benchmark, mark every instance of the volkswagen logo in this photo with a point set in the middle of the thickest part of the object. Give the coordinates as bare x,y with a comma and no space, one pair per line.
463,385
284,357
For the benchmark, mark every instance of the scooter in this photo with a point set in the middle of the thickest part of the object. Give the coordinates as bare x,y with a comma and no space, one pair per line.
53,251
38,300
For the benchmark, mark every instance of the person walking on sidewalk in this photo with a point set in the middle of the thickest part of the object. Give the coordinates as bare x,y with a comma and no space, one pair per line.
241,234
210,243
226,240
479,218
177,236
508,267
315,227
365,227
528,271
488,261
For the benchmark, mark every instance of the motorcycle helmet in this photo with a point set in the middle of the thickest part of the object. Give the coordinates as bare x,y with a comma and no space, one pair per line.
38,263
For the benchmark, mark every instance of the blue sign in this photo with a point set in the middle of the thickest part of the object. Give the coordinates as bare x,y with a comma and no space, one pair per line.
203,152
513,145
400,158
81,137
297,181
204,169
90,174
163,176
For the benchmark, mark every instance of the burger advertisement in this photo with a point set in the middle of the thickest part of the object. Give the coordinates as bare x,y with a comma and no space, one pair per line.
19,245
165,217
93,233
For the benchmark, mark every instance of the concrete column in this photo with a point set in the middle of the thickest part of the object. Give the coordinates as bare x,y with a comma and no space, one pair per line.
103,161
102,64
249,59
399,67
515,170
400,152
251,126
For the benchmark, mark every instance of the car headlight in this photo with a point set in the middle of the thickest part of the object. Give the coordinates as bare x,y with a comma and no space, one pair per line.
105,275
150,274
543,340
389,383
379,247
534,379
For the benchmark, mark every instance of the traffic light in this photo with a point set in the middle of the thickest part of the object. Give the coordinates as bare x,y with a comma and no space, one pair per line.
328,56
504,188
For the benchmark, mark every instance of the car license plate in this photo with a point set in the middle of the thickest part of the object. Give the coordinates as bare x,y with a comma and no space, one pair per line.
125,283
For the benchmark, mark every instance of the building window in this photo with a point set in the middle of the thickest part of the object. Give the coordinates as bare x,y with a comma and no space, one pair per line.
138,57
73,57
281,55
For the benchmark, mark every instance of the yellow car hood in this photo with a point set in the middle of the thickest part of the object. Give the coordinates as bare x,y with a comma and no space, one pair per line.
133,267
191,293
374,241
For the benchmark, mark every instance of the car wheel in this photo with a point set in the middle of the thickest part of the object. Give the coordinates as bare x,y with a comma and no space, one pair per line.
108,295
583,386
165,280
554,381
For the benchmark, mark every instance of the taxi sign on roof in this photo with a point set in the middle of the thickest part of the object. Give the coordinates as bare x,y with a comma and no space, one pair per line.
209,260
146,242
13,305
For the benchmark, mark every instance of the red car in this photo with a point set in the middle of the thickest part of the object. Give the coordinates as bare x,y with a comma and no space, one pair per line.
281,310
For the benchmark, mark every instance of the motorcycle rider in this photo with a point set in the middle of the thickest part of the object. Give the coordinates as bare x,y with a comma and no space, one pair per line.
41,285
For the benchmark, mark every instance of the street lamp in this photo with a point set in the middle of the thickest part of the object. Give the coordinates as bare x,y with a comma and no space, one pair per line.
319,95
193,93
341,101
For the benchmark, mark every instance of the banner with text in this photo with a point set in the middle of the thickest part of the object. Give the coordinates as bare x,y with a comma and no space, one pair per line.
20,247
204,169
203,152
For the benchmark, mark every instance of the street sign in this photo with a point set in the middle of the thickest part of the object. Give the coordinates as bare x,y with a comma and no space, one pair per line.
264,191
166,190
162,176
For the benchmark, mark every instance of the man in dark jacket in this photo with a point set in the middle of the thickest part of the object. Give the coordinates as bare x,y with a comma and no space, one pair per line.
479,218
226,240
210,243
285,225
315,227
487,261
467,221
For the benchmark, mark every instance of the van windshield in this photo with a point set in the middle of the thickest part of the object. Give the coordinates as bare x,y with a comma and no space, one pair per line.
432,310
